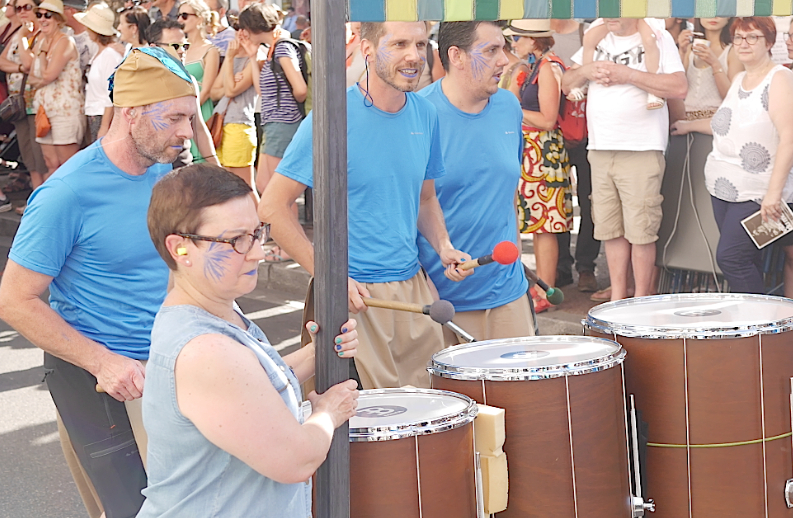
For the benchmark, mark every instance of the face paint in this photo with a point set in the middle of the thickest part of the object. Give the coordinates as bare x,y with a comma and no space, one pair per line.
156,114
215,258
478,61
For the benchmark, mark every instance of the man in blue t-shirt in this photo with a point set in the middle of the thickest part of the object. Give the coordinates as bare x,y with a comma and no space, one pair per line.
84,236
393,159
482,147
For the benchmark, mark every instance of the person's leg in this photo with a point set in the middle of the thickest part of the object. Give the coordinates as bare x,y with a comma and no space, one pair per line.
564,265
618,257
587,248
51,159
643,261
100,431
80,477
65,152
736,254
546,253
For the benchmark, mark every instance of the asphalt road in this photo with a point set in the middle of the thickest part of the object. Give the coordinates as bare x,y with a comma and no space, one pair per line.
34,479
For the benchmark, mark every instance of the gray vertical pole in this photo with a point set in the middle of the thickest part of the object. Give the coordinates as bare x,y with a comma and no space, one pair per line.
332,491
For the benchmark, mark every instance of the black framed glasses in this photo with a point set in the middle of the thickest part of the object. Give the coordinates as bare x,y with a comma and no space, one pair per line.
175,46
185,16
44,14
751,39
241,244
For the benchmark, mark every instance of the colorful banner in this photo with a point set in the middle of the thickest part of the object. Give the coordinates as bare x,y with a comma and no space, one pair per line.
459,10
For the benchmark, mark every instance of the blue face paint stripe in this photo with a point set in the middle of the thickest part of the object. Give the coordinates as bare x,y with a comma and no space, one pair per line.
214,259
156,114
478,61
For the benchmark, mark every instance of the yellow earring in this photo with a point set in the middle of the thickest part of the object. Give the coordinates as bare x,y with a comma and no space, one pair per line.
181,251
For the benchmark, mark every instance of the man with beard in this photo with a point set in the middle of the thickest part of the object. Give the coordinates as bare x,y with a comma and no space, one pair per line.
393,159
482,149
84,236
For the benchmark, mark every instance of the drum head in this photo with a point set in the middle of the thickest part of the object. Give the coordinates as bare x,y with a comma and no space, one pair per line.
693,315
388,414
530,358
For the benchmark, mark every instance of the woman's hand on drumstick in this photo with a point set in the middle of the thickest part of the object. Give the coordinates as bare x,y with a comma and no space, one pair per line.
451,259
338,402
345,344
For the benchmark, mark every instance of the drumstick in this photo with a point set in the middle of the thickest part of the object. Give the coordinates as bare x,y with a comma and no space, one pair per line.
554,295
441,311
503,253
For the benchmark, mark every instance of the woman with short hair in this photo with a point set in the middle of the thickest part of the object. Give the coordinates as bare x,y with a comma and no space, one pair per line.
749,169
227,434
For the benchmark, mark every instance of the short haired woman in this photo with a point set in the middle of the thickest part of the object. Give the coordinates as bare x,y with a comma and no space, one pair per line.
227,436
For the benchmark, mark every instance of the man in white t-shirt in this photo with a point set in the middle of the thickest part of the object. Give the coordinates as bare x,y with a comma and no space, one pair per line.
626,146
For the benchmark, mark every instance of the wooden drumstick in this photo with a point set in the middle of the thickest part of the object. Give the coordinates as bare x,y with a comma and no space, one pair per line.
503,253
100,389
441,311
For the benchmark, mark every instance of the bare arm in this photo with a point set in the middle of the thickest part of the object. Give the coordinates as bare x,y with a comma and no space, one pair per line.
780,105
683,127
668,86
6,65
211,66
514,87
276,209
223,390
549,96
302,360
432,226
577,76
107,118
232,87
22,308
201,134
295,78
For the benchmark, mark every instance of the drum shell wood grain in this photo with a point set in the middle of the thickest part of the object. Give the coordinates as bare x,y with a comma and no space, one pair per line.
724,398
384,476
538,443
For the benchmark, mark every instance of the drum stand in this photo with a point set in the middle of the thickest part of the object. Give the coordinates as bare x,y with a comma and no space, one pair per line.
638,505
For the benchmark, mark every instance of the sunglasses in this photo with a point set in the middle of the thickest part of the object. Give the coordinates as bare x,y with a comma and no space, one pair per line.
45,14
26,7
185,16
175,46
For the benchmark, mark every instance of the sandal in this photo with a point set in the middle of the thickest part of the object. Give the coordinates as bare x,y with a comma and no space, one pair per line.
276,255
577,94
16,185
654,102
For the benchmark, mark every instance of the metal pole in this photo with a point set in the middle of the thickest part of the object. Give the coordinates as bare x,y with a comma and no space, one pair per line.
332,491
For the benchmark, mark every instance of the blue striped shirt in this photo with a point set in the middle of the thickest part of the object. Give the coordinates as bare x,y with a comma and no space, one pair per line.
269,84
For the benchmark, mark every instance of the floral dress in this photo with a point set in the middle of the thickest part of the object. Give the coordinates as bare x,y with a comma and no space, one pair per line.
545,199
64,103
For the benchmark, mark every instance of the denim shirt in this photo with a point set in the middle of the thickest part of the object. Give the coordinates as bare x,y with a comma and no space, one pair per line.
188,475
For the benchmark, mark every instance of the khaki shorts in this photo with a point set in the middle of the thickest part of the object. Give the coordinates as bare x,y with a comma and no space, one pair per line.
512,320
626,194
395,346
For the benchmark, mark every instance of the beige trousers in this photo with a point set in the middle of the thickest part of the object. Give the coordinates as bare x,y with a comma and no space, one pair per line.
395,346
511,320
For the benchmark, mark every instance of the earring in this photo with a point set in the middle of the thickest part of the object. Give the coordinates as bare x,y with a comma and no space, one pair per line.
187,263
181,251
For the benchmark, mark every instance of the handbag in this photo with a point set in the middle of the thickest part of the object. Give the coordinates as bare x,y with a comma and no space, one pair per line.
43,125
13,107
215,125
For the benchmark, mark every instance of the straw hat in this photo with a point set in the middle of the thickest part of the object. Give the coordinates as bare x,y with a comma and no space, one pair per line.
56,6
98,18
530,28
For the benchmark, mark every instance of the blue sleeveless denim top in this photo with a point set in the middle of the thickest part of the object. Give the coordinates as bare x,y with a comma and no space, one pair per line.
188,475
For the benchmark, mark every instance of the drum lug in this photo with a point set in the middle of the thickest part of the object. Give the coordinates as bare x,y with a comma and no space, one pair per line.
639,506
789,493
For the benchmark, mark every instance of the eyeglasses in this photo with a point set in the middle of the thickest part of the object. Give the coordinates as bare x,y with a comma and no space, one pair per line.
241,244
515,39
185,16
26,7
751,39
45,14
175,46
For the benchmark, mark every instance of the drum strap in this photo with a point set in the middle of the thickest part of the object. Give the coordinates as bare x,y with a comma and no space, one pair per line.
720,445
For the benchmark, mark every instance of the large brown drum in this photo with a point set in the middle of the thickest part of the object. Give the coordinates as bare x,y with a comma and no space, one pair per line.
566,437
711,375
412,455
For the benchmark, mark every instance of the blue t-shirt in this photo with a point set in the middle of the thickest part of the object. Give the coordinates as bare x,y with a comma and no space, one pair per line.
86,227
483,154
389,155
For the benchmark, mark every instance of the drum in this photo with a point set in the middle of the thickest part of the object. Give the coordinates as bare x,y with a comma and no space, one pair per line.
566,437
412,455
711,375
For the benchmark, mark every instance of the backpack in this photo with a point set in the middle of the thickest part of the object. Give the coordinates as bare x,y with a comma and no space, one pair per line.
572,114
304,56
